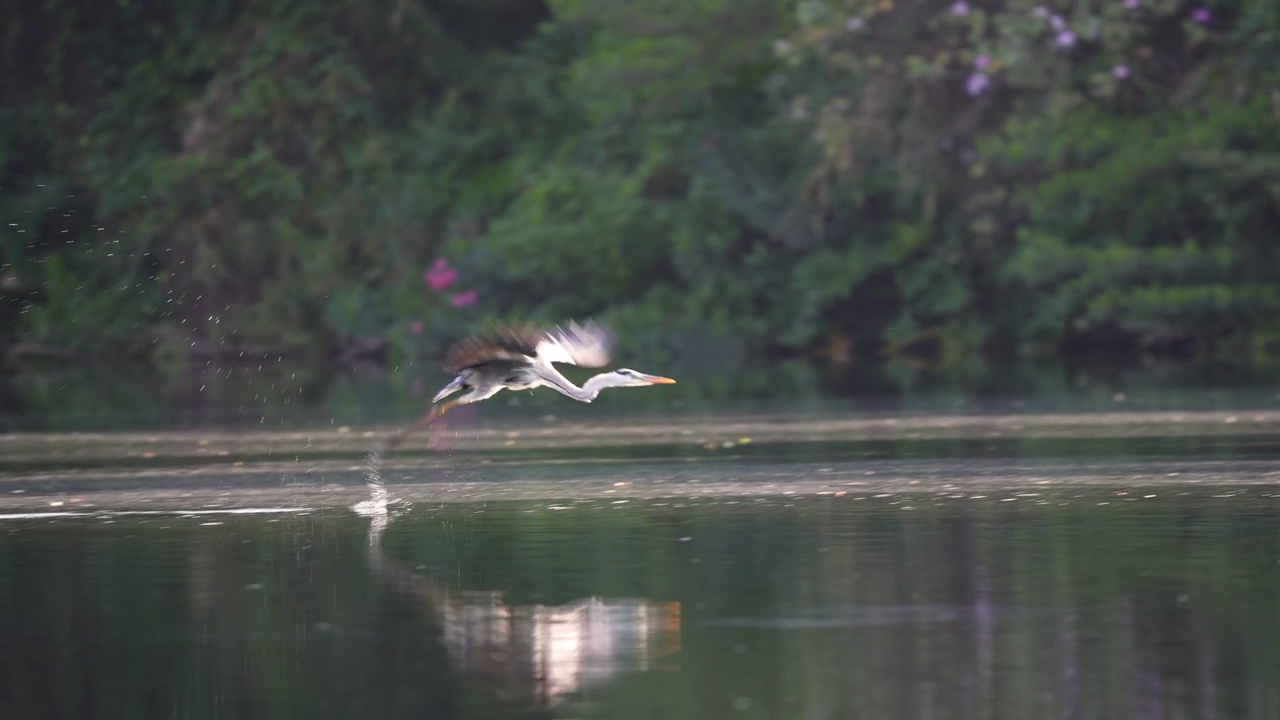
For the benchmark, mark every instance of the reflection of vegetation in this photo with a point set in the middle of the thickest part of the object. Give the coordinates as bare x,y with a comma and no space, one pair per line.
224,622
935,178
843,608
1084,609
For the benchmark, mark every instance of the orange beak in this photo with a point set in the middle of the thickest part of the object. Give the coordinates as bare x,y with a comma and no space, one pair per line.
659,380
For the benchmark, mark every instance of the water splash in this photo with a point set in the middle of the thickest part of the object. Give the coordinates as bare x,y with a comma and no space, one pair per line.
376,505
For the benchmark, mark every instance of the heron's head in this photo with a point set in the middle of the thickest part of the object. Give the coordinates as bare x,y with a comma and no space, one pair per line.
626,377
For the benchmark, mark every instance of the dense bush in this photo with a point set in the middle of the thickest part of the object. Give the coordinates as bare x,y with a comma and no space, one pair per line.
737,177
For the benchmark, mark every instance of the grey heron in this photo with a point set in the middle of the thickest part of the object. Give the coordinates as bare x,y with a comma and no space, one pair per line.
523,358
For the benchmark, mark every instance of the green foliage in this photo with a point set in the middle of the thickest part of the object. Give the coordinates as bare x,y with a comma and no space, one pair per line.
766,177
1096,173
1161,222
249,163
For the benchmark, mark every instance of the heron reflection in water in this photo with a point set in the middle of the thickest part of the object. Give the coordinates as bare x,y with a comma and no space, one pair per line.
523,358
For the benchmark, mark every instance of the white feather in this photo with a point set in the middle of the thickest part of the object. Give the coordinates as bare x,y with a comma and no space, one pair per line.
587,346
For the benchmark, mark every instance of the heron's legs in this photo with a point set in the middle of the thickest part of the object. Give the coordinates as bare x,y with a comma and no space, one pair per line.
423,421
476,395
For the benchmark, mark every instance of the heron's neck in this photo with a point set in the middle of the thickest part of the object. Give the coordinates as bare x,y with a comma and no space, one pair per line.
586,393
589,390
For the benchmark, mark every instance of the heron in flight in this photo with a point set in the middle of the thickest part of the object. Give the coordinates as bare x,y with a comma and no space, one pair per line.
523,358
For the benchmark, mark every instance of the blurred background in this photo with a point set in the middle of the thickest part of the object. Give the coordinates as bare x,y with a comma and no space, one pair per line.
221,209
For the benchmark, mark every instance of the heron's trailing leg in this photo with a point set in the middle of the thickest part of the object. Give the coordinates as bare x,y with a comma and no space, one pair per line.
422,422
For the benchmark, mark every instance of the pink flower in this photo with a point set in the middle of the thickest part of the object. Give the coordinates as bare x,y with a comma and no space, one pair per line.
1201,15
1066,39
855,24
981,61
463,299
440,276
416,327
960,9
1131,4
1120,71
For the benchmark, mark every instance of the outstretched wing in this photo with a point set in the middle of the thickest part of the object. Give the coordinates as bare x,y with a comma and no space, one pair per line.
582,345
512,343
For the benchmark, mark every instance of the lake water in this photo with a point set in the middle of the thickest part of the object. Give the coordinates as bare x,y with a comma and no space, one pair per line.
826,566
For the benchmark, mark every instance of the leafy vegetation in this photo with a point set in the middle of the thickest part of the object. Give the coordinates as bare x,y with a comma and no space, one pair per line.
262,177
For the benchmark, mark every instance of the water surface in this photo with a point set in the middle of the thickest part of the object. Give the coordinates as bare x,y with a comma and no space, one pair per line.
783,567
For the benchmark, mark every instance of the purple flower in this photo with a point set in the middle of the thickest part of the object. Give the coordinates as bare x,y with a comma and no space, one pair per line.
1066,39
463,299
416,327
855,23
440,276
960,8
1041,12
981,62
1201,15
1120,72
1131,4
1057,23
976,84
